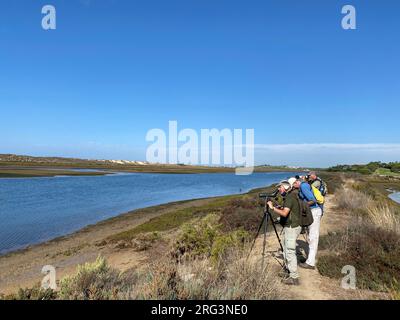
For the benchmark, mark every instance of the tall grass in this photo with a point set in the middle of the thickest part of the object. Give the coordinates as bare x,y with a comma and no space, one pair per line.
351,200
233,278
384,217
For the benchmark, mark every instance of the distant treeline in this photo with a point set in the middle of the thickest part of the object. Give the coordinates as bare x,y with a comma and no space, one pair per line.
372,167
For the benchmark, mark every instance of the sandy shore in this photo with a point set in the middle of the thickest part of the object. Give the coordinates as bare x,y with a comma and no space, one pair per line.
23,268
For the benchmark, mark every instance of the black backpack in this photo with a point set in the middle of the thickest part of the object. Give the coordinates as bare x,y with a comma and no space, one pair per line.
306,217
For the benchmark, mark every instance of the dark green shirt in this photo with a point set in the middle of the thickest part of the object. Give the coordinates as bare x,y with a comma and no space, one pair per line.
293,218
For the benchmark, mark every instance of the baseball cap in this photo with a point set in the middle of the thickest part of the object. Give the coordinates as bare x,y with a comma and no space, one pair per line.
292,181
285,184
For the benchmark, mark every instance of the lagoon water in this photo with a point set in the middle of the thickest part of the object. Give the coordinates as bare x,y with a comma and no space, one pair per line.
395,196
34,210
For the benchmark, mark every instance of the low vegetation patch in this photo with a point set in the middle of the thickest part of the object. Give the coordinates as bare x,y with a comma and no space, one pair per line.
171,220
141,242
205,239
95,281
374,252
370,168
34,293
233,277
371,243
245,213
352,201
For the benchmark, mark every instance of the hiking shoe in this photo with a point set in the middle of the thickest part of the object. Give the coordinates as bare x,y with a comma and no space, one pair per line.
283,274
301,258
306,266
291,281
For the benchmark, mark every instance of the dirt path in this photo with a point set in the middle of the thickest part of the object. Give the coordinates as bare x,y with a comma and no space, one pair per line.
312,286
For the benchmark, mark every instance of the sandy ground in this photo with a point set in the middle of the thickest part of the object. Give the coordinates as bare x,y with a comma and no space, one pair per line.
23,268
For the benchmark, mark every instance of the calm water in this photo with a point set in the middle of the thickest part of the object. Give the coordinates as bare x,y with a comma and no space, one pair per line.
34,210
395,197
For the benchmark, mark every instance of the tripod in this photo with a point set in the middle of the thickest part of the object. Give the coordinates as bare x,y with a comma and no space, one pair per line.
267,217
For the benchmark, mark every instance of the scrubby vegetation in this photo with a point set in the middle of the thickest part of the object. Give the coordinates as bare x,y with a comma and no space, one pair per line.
391,168
233,277
205,239
95,281
370,243
34,293
352,201
171,220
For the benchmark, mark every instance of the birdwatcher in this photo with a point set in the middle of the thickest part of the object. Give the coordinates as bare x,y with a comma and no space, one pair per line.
317,182
306,194
290,220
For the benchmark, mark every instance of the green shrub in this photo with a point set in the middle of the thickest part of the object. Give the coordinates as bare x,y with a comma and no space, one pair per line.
205,239
394,290
34,293
225,242
94,281
241,214
197,238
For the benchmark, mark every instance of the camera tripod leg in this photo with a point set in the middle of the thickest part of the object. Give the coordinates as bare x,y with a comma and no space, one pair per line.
284,264
276,231
265,238
258,232
265,219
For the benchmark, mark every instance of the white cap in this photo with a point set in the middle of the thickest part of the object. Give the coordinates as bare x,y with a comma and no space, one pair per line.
285,184
292,181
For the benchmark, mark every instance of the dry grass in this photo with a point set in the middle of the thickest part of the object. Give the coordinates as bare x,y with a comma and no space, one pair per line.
350,200
235,277
384,217
371,243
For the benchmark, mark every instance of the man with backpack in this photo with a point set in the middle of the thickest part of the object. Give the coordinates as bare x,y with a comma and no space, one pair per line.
320,185
290,220
317,182
306,194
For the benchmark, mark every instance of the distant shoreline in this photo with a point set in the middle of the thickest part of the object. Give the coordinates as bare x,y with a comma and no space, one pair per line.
24,170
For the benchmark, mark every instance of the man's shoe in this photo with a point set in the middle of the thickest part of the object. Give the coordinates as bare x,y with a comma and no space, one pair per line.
283,274
302,259
306,266
291,282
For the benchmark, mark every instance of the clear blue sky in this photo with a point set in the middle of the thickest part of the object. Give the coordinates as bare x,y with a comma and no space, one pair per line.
114,69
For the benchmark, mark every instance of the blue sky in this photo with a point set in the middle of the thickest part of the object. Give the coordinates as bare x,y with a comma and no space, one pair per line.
314,93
